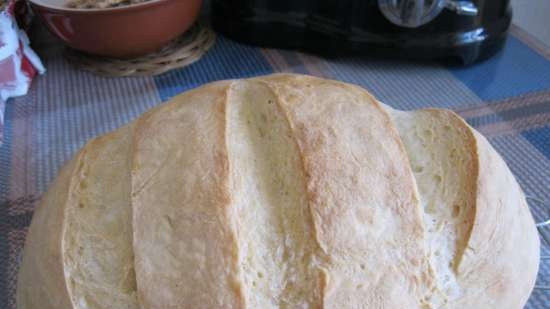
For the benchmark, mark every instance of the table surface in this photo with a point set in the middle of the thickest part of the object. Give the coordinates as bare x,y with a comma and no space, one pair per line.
507,98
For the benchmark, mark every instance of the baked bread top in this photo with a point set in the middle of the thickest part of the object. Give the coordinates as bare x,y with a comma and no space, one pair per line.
283,191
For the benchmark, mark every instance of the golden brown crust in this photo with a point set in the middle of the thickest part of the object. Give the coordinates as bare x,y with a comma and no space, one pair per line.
98,226
499,266
185,249
277,249
41,282
328,178
370,233
441,150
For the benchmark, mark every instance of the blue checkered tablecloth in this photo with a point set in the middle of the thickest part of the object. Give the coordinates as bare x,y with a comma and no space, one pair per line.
507,98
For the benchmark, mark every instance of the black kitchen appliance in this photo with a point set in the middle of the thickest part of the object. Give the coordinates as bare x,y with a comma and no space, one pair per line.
430,29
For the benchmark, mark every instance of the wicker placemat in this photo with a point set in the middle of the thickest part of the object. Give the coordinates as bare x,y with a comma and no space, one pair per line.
181,52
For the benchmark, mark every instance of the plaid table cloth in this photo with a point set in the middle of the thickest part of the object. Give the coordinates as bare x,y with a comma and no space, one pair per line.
507,98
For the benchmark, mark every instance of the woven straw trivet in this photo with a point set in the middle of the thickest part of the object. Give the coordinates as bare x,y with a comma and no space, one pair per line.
181,52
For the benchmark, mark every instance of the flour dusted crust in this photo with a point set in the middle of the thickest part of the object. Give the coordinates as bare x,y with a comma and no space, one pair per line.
283,191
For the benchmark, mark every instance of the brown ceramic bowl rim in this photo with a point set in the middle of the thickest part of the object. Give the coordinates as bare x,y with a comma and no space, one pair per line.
113,10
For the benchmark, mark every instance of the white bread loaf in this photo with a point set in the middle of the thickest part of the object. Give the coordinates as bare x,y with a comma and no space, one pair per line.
283,191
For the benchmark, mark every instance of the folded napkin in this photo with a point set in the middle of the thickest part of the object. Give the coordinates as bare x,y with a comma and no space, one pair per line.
19,64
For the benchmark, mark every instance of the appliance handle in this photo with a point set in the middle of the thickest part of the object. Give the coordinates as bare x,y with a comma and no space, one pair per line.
467,8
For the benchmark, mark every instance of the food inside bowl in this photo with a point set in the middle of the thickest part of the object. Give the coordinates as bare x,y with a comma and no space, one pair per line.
101,4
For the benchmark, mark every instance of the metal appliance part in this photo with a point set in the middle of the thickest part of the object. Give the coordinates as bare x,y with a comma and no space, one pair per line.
415,13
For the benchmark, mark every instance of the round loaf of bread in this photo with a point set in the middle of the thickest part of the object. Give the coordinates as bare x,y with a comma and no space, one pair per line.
283,191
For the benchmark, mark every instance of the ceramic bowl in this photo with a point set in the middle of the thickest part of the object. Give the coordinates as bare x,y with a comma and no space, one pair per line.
120,32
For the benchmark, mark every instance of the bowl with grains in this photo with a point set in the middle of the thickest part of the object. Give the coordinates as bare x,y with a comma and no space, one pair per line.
117,28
